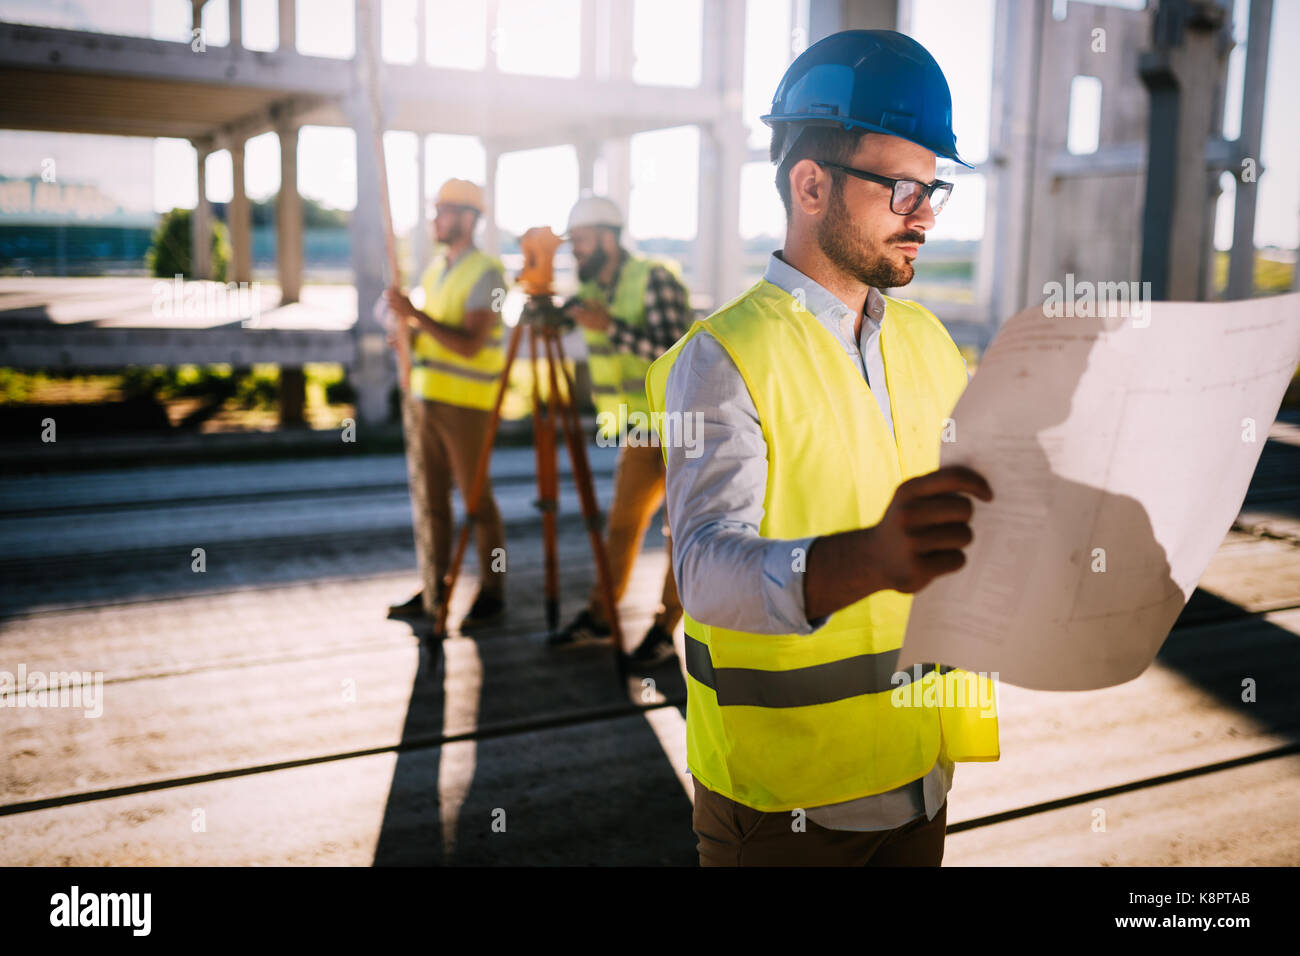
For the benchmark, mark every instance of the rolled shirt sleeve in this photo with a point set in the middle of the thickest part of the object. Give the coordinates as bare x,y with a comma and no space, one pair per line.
715,489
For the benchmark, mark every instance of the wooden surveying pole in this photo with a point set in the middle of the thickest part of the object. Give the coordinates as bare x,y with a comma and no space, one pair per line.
368,53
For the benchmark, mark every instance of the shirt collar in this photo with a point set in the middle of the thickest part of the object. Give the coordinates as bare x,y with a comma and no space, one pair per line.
452,260
828,309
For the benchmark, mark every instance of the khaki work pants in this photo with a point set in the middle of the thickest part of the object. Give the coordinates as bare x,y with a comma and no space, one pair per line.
732,834
451,438
638,493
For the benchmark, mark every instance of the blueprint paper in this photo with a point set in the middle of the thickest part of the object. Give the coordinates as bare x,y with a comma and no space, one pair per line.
1119,450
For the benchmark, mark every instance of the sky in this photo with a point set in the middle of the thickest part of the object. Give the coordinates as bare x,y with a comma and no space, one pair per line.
542,38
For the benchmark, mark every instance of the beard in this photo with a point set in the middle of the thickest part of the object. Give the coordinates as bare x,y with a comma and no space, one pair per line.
841,243
454,233
589,269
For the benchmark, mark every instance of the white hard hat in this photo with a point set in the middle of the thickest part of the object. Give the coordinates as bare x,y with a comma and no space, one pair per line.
592,210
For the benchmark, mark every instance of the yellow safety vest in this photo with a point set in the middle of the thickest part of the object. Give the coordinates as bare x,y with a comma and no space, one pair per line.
438,373
783,721
618,378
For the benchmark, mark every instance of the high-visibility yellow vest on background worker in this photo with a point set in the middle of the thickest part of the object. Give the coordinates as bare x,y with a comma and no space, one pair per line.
438,373
618,378
778,722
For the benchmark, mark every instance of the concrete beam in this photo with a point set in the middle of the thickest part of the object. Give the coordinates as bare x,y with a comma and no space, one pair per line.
65,347
103,55
94,82
288,218
1130,159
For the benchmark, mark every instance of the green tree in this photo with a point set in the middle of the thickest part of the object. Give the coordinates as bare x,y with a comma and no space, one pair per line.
170,252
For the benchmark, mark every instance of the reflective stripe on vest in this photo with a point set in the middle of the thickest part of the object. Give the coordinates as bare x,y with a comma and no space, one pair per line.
782,721
438,373
618,378
802,686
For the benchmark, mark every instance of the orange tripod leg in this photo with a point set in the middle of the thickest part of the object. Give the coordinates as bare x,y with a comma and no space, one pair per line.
582,479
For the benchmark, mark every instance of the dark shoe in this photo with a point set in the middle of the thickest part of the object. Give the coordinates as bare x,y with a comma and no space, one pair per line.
411,610
488,609
655,648
583,631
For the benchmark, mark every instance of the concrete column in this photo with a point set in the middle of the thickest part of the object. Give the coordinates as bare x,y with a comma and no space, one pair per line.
241,227
375,371
420,237
236,13
293,397
288,218
1000,279
490,66
830,16
590,39
1241,261
1185,74
587,152
201,221
288,25
491,234
722,154
617,156
620,48
421,32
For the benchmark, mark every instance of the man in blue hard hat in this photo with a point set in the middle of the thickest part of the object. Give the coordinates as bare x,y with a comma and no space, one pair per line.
817,506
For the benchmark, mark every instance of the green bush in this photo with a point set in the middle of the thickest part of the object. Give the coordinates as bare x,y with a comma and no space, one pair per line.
170,253
259,387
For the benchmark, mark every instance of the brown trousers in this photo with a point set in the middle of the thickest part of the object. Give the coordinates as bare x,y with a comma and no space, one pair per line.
638,493
451,438
732,834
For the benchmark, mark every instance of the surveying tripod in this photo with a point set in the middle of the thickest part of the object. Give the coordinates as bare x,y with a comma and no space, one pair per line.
545,324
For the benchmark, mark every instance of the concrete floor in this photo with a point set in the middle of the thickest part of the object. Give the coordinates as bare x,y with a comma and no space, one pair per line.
265,712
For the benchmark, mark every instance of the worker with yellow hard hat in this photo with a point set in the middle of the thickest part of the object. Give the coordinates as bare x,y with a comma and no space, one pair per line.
456,364
631,309
814,506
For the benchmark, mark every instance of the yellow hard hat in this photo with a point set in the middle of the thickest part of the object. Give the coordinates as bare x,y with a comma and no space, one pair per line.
461,192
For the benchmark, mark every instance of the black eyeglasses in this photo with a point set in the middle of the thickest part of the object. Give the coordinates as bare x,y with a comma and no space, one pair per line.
908,193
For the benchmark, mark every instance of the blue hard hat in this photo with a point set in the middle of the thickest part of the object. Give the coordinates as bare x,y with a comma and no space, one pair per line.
876,80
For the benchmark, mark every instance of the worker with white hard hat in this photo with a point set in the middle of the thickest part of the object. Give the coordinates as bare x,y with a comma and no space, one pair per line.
456,364
631,310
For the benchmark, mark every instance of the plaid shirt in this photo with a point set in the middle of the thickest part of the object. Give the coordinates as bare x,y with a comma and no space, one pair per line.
667,315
